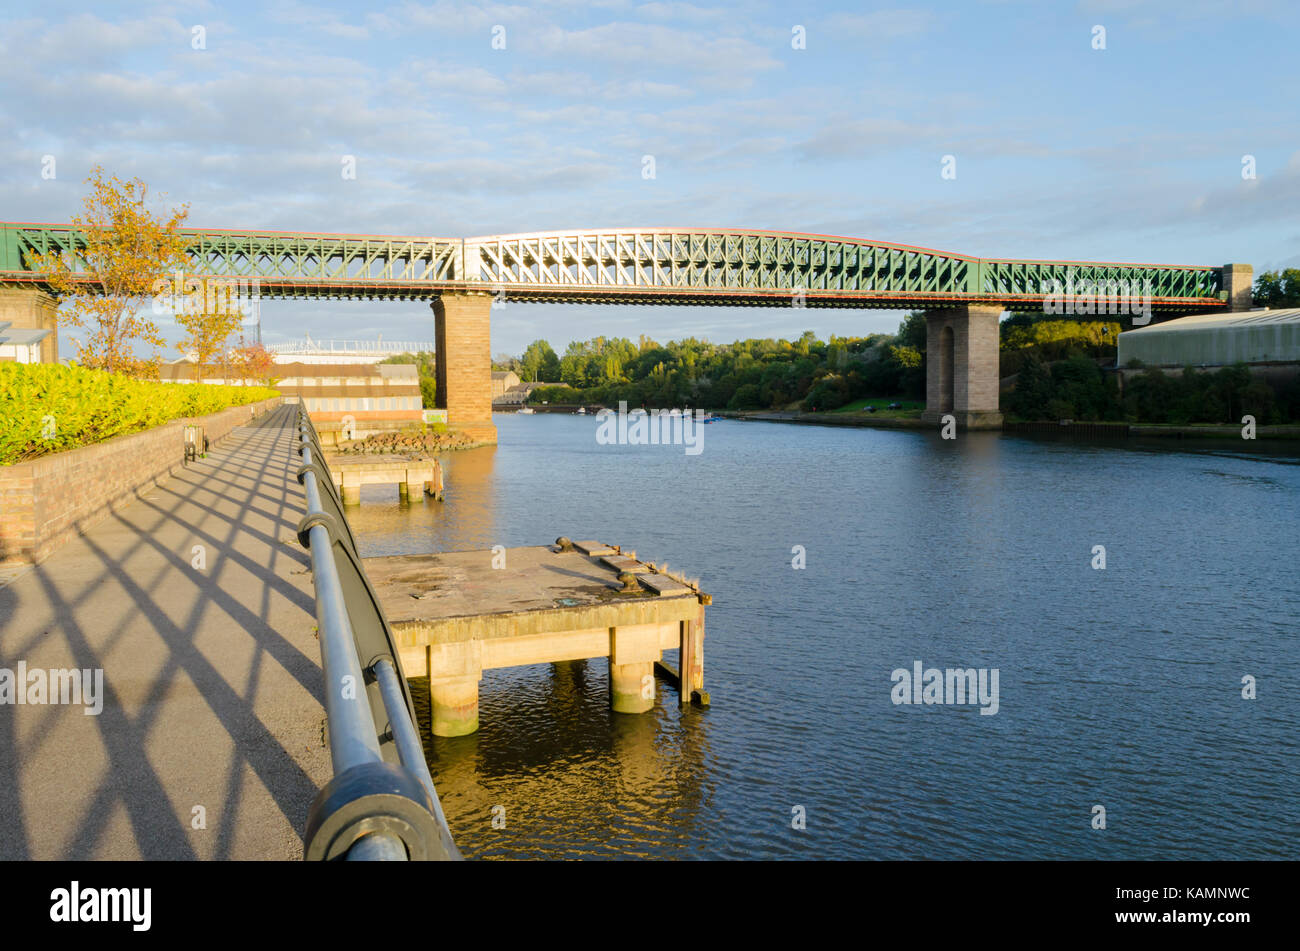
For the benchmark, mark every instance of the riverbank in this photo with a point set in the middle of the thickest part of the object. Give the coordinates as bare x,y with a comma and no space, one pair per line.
1288,431
829,419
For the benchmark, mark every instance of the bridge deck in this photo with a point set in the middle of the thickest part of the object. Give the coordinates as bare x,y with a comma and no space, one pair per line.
211,676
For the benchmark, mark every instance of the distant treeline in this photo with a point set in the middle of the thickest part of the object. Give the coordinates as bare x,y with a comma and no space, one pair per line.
806,373
746,374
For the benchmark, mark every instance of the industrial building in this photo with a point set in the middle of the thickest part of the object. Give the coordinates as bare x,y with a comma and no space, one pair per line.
1268,341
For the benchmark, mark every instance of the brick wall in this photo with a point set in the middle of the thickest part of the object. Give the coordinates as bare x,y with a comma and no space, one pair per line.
46,502
462,325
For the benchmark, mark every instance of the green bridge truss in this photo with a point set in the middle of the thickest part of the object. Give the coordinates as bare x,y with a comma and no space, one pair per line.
634,265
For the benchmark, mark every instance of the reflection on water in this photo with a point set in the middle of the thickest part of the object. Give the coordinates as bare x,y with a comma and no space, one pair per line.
1118,687
575,779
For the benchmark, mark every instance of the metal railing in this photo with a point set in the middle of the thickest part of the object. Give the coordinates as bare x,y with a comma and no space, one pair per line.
381,804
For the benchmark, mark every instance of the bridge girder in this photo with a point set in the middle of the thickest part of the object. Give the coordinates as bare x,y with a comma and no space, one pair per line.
630,266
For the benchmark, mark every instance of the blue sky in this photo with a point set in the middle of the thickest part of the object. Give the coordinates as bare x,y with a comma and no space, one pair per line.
1133,152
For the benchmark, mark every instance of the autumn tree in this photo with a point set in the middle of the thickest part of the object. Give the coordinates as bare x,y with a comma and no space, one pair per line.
208,315
108,285
252,362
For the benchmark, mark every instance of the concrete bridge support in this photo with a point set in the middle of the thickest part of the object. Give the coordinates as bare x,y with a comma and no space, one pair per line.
32,308
1239,281
961,359
464,362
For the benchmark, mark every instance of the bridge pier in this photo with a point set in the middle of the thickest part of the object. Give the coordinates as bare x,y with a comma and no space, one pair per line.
34,309
462,326
961,365
1238,282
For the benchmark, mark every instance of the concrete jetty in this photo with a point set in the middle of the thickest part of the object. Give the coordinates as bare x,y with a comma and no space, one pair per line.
413,475
196,604
456,614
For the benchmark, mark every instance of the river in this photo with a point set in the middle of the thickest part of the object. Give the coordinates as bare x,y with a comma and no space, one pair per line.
1119,687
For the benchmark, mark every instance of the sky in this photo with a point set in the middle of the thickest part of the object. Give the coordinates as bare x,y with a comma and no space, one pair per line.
1062,149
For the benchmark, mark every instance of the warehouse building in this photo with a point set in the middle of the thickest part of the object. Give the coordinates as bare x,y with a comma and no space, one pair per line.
1268,341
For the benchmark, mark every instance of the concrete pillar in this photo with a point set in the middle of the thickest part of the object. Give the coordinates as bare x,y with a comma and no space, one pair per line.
351,489
32,308
454,672
631,687
462,331
961,365
1238,281
455,706
404,491
632,655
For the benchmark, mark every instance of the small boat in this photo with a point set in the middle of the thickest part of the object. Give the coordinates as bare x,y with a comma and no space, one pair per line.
526,411
582,411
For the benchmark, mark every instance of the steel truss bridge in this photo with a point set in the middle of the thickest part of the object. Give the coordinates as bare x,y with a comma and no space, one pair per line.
634,265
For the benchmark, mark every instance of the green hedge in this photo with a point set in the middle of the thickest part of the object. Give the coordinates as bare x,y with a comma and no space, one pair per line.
46,407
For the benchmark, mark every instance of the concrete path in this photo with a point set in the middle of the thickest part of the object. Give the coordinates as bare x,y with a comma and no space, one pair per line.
212,710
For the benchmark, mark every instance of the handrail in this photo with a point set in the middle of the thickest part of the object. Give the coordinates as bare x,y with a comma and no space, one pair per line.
381,804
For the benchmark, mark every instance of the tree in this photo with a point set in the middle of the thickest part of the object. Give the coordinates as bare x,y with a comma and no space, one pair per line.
1033,390
126,255
911,332
208,322
539,363
1278,290
252,362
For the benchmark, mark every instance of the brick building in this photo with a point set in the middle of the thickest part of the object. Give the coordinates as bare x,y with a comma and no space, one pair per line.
374,397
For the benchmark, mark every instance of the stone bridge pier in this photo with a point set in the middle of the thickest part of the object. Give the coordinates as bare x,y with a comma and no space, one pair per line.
462,335
961,365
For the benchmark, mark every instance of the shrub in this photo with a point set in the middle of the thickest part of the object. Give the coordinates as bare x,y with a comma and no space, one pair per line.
47,407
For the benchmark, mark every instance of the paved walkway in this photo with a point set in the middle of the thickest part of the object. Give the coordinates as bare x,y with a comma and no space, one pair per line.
212,680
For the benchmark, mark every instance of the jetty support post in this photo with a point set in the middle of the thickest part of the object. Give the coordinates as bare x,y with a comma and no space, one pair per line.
633,651
454,673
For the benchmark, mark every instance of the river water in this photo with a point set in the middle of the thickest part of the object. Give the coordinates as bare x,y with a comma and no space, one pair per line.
1119,687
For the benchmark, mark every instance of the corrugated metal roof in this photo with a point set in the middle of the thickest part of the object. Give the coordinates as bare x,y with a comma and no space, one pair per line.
1252,336
1244,318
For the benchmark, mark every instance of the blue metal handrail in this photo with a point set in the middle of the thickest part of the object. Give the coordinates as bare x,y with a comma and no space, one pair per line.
381,804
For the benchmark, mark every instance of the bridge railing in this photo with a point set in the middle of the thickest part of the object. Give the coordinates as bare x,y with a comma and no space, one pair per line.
381,803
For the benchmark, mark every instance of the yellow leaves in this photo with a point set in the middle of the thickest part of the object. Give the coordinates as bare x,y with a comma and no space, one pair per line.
47,408
1049,331
906,356
107,284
